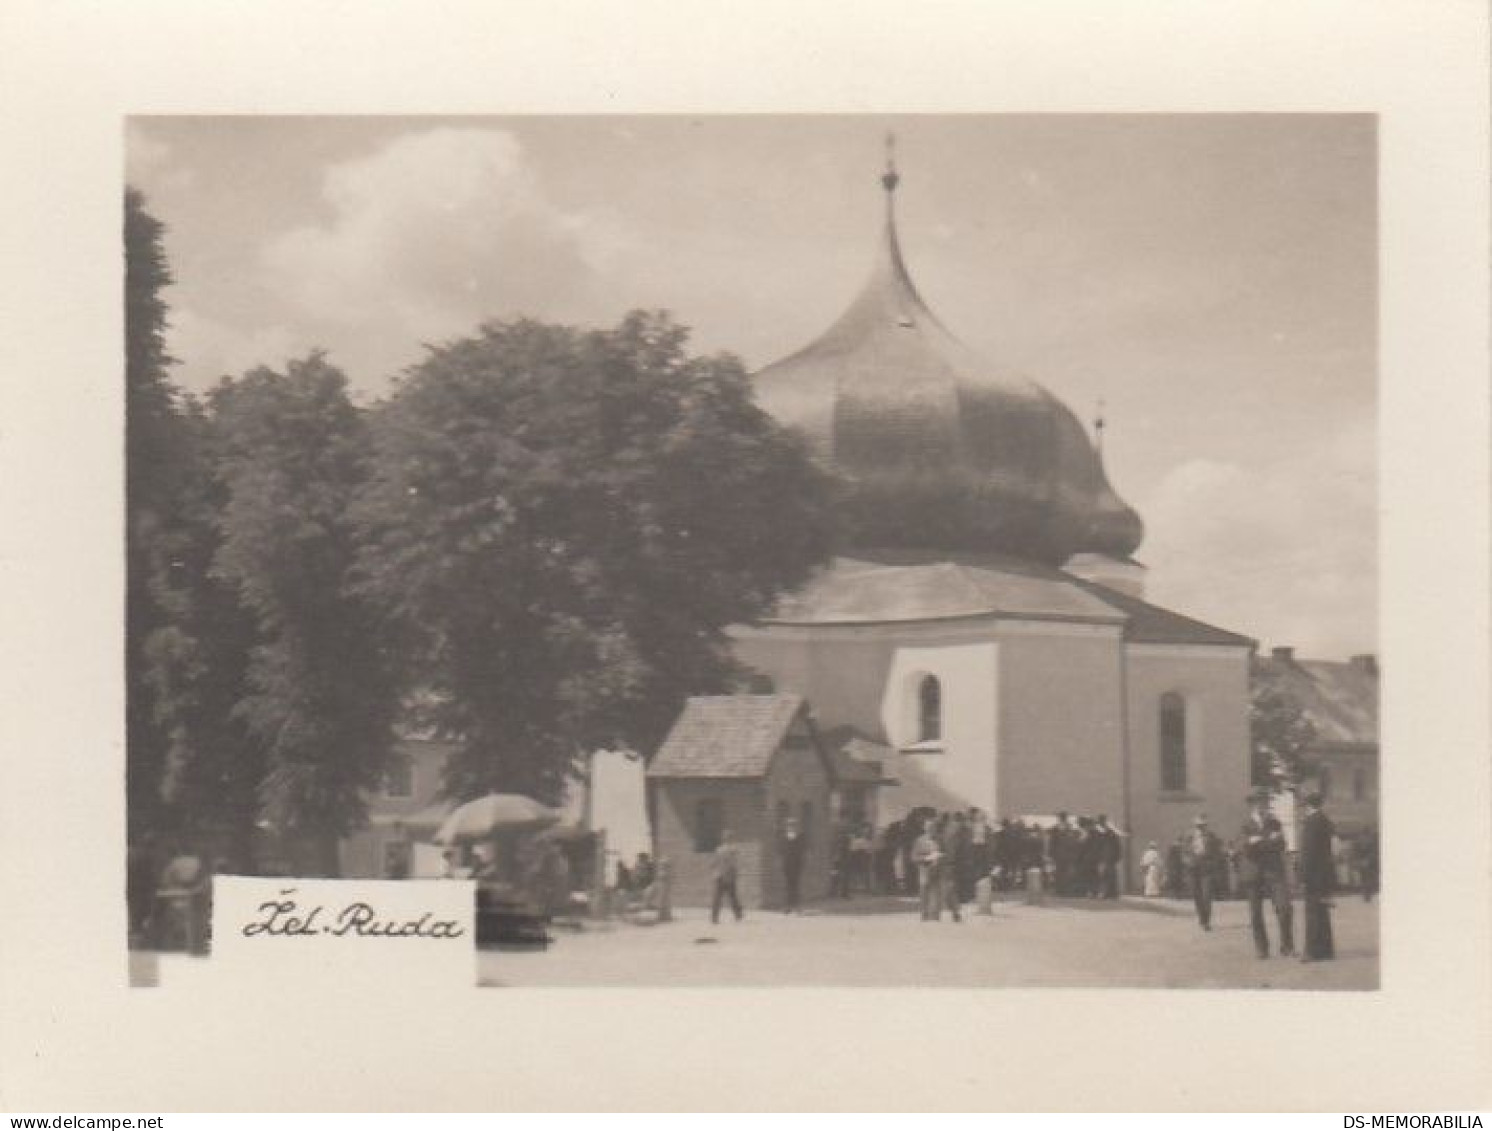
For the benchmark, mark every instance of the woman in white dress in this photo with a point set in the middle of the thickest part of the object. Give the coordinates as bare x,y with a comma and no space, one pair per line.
1150,864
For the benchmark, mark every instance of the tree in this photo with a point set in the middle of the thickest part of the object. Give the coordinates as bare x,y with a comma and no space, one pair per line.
153,473
1280,731
196,665
566,520
321,699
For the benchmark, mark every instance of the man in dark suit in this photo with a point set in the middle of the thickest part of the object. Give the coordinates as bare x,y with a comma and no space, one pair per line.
1317,880
1110,851
1200,855
1261,870
792,848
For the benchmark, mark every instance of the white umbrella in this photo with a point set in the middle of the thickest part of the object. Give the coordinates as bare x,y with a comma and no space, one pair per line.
495,813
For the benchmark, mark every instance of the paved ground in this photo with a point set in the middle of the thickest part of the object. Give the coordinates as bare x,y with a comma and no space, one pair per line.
883,943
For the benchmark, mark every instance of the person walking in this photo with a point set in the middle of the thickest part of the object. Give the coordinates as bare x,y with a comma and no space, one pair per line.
1200,856
1261,871
792,849
1317,880
927,855
1150,865
725,866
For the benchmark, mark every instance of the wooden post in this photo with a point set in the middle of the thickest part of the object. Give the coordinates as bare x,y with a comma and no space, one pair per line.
599,902
984,895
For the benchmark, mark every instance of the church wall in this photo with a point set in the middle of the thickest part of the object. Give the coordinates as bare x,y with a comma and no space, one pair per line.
962,759
864,676
1061,720
1213,682
841,671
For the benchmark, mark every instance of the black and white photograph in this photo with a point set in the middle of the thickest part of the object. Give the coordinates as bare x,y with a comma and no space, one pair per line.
765,550
832,557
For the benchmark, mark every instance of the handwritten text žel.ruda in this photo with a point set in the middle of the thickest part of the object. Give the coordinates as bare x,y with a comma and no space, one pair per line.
284,918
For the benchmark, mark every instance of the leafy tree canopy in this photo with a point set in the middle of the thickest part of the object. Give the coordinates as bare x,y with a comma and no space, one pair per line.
566,520
292,453
1280,731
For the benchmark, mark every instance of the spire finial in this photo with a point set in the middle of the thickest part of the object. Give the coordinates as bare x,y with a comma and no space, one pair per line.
890,178
1099,424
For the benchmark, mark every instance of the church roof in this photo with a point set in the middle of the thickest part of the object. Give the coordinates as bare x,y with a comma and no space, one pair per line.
943,449
853,591
1340,698
900,586
858,760
1151,624
726,736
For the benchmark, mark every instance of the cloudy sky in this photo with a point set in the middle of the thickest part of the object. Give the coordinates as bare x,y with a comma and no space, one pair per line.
1212,278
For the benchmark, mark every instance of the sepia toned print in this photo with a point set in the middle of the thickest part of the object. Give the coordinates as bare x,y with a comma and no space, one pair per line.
563,505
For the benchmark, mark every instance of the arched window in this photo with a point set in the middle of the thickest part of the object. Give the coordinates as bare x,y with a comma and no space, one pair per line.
1172,742
929,709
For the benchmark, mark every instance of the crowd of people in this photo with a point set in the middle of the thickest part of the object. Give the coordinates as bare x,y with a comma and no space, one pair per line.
941,857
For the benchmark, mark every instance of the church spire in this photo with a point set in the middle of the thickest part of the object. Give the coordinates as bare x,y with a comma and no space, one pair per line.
890,178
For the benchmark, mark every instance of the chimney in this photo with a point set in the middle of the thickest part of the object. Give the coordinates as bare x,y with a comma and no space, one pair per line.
1367,663
1283,655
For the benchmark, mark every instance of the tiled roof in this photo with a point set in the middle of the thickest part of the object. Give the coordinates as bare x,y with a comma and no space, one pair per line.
855,591
1150,624
858,760
912,586
1340,699
725,736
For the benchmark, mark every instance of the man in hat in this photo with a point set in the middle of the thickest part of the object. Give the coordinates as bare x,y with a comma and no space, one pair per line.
927,855
1317,879
792,849
1200,856
1261,871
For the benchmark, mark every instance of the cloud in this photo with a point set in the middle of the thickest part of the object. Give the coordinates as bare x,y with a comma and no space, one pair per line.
1286,553
430,235
151,165
208,349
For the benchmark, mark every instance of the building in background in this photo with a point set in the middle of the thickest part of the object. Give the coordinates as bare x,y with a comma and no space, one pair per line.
403,815
1341,701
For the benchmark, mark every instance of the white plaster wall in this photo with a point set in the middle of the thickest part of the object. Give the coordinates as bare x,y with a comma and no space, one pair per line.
968,673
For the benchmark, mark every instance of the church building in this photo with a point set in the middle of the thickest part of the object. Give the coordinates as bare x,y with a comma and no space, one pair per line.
987,623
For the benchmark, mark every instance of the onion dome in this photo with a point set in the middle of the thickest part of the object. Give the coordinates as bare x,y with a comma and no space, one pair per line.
937,447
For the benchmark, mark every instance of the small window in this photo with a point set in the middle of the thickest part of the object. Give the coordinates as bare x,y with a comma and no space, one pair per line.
398,781
929,709
709,823
1359,784
805,820
1172,742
